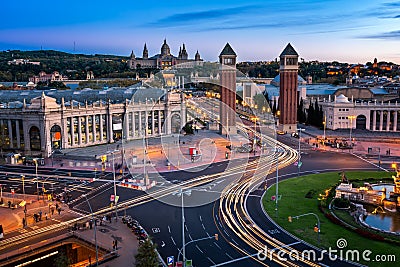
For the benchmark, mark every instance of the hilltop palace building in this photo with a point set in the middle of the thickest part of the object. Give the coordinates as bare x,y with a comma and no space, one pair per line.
90,117
163,60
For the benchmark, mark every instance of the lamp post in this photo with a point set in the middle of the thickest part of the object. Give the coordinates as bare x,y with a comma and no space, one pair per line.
277,182
181,192
95,230
351,118
115,187
299,159
324,123
37,180
23,185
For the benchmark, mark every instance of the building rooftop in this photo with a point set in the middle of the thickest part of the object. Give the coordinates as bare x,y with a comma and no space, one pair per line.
227,51
289,51
114,94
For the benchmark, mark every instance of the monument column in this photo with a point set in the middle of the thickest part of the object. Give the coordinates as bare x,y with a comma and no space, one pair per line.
227,59
288,72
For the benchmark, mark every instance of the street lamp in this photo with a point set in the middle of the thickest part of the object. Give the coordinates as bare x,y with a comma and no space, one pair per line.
351,118
23,185
277,182
188,193
299,163
324,123
37,180
95,230
115,187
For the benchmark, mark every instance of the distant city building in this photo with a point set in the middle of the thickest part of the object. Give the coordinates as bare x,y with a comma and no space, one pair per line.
23,62
89,117
45,78
163,60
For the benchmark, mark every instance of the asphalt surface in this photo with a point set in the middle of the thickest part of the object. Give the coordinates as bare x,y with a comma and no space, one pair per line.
164,221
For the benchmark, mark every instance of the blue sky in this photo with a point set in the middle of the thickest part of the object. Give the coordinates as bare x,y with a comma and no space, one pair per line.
353,31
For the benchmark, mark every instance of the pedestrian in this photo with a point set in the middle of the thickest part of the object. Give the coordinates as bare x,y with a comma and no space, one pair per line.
59,211
52,210
45,215
23,222
56,206
40,215
116,243
90,260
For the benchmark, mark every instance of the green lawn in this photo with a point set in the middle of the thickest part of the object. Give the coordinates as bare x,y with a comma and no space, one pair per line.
294,202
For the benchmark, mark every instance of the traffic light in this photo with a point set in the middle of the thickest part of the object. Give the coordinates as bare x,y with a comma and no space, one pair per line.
316,229
103,158
394,166
290,218
216,237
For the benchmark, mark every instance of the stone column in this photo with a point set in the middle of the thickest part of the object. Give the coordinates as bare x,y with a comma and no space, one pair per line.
146,123
79,131
133,124
125,131
374,120
101,126
395,121
18,133
10,136
94,128
72,132
152,123
110,129
381,122
87,129
140,124
159,123
388,122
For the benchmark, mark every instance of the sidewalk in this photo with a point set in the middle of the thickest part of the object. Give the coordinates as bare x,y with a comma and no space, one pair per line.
12,218
106,234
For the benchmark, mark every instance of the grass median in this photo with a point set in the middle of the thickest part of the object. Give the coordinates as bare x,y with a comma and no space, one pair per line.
294,202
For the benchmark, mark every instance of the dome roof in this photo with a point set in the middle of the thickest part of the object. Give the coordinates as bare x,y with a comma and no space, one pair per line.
276,81
342,99
165,50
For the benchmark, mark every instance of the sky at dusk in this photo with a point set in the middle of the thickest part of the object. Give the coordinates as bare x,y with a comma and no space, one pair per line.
348,31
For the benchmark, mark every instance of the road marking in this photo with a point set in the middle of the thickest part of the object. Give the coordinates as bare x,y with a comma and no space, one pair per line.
201,218
186,228
199,249
229,256
217,245
211,260
155,230
190,237
173,241
169,229
233,240
203,226
226,233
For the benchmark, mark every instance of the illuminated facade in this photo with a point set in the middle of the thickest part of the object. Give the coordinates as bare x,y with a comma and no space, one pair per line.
164,60
44,125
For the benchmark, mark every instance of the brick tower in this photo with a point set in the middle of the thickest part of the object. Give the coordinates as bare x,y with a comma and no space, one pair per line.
227,59
288,73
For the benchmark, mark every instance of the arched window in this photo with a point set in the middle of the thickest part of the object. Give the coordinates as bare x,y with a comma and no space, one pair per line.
175,123
34,136
55,135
